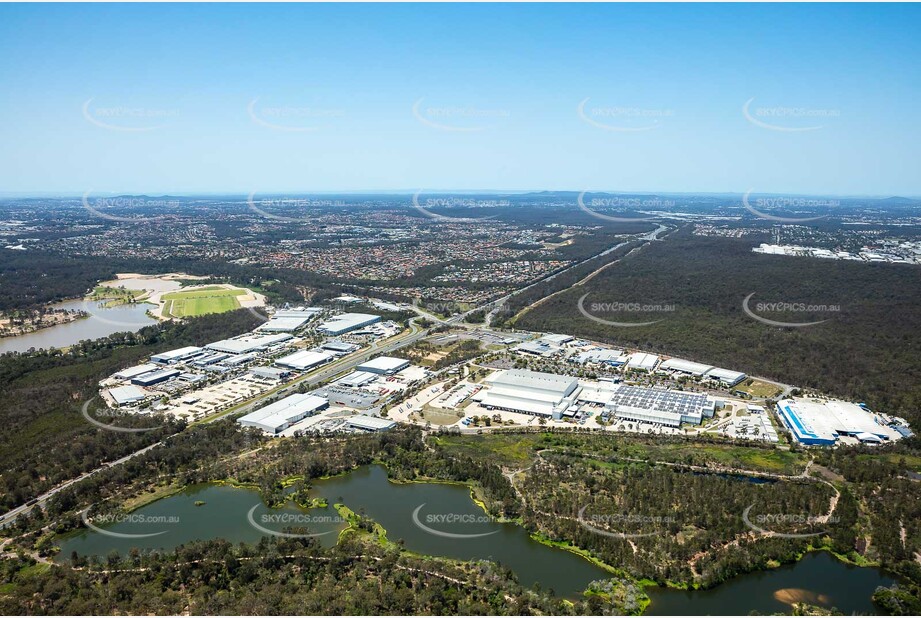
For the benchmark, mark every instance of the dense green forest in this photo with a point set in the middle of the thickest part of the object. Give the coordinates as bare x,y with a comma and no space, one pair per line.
283,577
869,350
43,393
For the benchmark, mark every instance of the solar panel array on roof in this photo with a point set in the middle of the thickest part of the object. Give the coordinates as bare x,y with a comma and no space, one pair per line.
658,399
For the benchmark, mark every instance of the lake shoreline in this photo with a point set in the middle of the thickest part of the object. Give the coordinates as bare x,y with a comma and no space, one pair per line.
652,588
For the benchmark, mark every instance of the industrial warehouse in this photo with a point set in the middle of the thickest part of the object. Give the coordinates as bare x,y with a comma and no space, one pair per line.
280,415
531,392
197,382
193,382
347,322
555,396
825,423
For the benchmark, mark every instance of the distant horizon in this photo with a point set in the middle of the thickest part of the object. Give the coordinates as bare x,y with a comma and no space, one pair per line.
410,193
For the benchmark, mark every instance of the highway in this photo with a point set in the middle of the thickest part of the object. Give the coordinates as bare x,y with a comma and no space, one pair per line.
9,516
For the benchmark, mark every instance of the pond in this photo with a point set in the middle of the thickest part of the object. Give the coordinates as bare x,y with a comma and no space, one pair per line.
818,579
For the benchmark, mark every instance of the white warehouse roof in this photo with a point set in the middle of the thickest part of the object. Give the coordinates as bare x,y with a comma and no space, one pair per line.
383,364
247,343
137,370
277,324
280,415
305,359
530,391
347,322
642,360
173,355
369,423
726,375
685,366
557,339
126,394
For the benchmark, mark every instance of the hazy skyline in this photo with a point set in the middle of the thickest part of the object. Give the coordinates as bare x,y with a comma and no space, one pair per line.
182,99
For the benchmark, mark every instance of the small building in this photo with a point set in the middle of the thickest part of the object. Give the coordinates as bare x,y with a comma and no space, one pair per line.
210,359
155,377
278,416
384,365
240,359
283,325
126,395
536,348
601,356
192,378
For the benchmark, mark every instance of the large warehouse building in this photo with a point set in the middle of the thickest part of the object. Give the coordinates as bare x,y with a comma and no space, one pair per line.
347,322
822,423
530,392
248,343
154,377
176,356
276,417
132,372
289,320
725,377
656,405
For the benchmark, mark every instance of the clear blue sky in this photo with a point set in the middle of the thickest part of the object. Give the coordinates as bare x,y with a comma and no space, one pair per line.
681,74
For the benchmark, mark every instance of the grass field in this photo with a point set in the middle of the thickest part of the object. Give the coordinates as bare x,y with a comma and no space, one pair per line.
757,388
201,301
517,449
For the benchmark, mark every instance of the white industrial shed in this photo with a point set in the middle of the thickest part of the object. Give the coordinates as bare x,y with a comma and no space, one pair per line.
530,392
247,343
347,322
384,365
642,361
685,366
124,395
276,417
283,325
175,356
726,376
303,360
357,379
131,372
369,423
